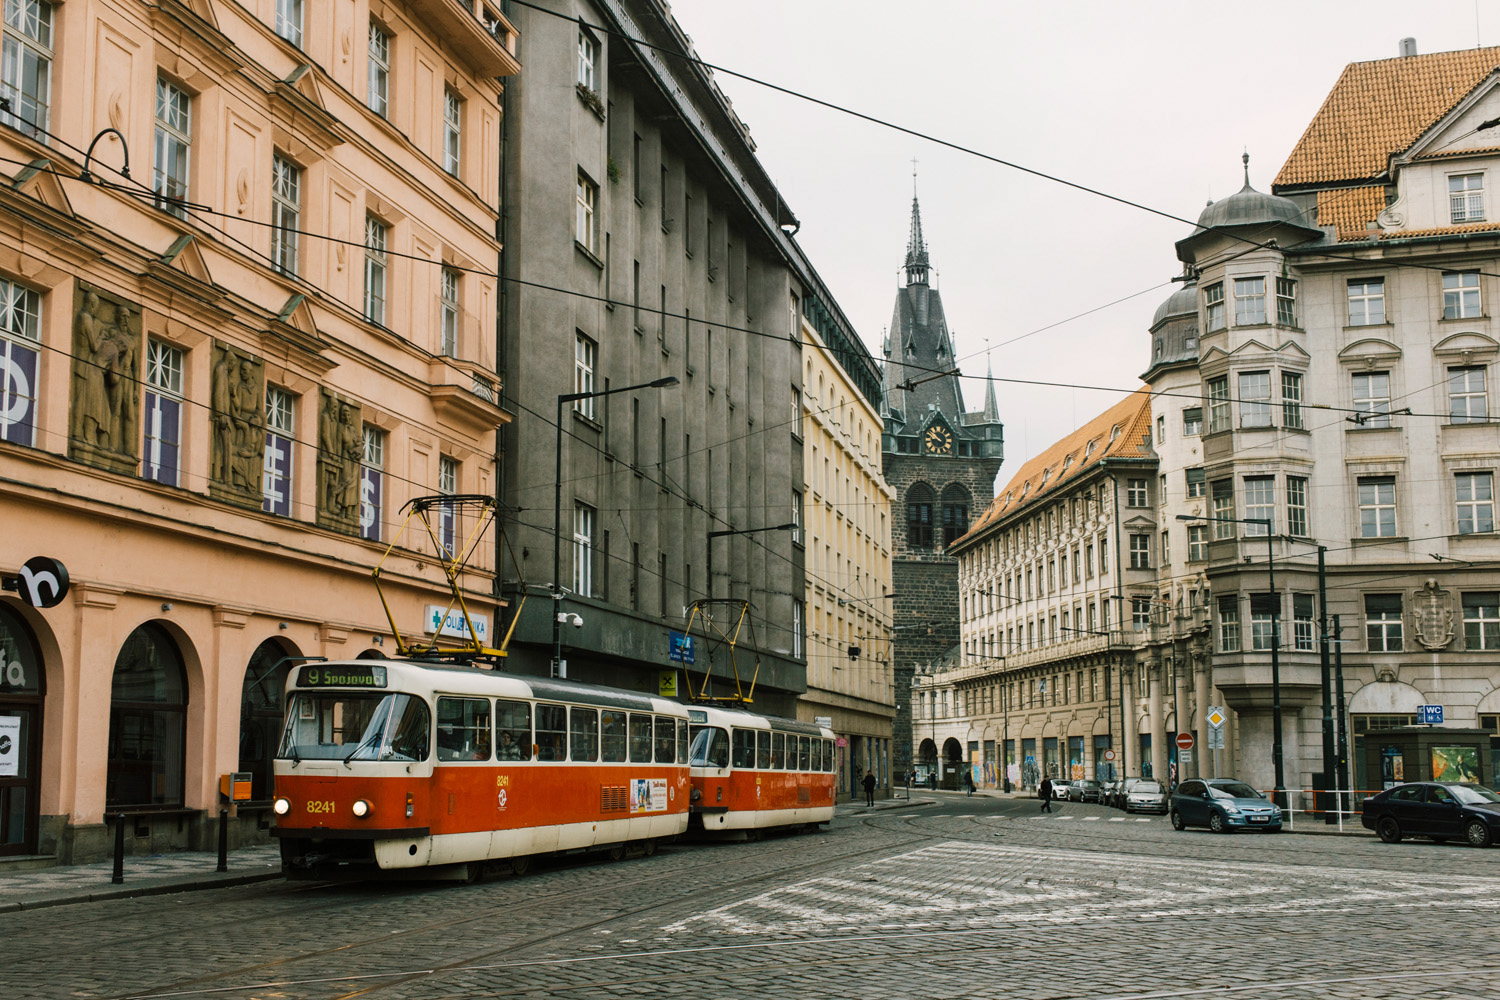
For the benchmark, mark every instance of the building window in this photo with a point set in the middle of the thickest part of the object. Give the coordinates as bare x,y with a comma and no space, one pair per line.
1135,493
26,80
1476,502
20,327
372,483
1229,624
1161,429
583,549
955,513
1192,421
1255,399
174,137
1296,507
289,21
447,514
1482,620
1264,609
1383,622
1249,301
1372,398
376,233
1166,548
1467,401
1260,504
276,476
797,517
1140,551
1460,294
1197,542
588,58
1466,198
286,214
919,519
448,312
1377,506
1213,305
1304,637
1223,508
585,361
1218,404
1367,302
453,131
163,412
1286,301
584,229
1291,400
1195,483
147,721
799,632
378,75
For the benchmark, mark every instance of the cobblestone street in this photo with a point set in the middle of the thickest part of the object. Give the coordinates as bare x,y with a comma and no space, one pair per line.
979,900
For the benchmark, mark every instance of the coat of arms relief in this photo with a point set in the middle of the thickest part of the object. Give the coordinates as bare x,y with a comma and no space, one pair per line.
1432,609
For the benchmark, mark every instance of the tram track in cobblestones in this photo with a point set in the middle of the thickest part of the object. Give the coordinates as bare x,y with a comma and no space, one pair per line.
205,985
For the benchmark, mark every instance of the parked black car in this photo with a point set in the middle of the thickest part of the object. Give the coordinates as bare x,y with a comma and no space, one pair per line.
1087,790
1440,810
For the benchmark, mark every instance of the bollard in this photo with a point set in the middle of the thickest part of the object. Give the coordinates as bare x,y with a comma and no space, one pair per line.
118,878
223,841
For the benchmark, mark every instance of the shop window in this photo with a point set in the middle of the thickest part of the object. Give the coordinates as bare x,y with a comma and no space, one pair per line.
147,723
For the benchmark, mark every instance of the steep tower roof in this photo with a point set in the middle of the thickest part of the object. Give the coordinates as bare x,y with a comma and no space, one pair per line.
917,261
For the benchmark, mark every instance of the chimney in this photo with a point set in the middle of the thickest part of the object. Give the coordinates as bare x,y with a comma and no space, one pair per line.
1408,46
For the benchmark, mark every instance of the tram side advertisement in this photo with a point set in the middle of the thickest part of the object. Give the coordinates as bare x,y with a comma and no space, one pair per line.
648,795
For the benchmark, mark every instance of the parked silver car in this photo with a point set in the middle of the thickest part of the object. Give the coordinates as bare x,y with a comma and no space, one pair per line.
1146,795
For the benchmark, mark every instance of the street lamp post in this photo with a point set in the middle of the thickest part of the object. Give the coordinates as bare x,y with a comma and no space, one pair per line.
1276,753
563,400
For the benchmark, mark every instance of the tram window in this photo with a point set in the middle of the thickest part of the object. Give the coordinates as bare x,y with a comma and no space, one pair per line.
682,741
356,726
583,734
828,755
666,742
409,741
804,754
817,754
612,736
463,729
744,748
778,751
551,732
710,747
513,730
640,738
762,750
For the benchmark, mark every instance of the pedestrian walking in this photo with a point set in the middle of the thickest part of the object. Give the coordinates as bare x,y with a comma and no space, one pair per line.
1044,792
969,782
870,789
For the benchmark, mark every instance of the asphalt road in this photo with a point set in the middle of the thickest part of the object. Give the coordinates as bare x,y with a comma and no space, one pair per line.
976,897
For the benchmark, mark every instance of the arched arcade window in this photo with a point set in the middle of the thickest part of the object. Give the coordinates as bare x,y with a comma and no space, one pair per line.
21,691
147,723
261,715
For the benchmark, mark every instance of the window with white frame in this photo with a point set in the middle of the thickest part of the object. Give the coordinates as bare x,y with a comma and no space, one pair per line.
1465,198
1475,494
376,235
1304,635
20,329
26,73
1255,399
453,131
1140,551
1372,398
1260,503
1377,506
174,137
1222,502
1286,301
797,517
1291,400
584,518
1249,301
1366,301
1197,542
372,483
588,59
1213,307
1296,507
1264,608
1218,404
1383,621
286,214
584,222
799,633
1166,547
163,413
585,361
448,513
1135,492
276,472
1196,482
378,70
1481,619
289,21
448,311
1229,624
1161,429
1461,294
1192,421
1468,403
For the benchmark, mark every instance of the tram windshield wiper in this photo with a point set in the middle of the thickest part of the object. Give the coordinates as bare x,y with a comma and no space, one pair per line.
374,734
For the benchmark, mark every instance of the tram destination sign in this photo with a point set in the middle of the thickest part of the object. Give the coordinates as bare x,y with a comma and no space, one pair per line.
342,675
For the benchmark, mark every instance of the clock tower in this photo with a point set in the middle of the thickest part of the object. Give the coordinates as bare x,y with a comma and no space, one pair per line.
941,461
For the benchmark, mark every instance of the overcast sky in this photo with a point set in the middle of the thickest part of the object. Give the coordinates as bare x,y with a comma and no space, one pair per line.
1151,102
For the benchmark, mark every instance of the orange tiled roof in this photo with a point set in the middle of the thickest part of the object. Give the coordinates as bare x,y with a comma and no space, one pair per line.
1350,209
1133,416
1473,227
1464,151
1381,107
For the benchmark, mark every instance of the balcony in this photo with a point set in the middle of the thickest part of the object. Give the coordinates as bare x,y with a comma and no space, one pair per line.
476,31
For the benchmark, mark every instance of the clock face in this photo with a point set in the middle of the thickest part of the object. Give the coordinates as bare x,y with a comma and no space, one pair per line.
939,440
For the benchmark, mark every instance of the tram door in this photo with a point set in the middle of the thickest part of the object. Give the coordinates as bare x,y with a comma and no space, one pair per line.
20,735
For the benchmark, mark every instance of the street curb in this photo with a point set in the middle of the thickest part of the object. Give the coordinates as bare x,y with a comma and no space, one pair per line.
129,892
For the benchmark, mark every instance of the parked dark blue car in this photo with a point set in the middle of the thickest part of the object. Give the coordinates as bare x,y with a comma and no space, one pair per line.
1222,805
1441,810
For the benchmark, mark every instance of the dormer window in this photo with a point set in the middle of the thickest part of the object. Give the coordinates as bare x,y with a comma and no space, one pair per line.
1067,462
1466,198
1114,432
1088,449
1046,474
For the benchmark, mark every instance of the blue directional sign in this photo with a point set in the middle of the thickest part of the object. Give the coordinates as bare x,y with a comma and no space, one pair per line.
1431,715
679,647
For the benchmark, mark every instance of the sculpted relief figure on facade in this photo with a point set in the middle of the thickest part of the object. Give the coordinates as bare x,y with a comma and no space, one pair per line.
1433,610
103,424
237,445
340,450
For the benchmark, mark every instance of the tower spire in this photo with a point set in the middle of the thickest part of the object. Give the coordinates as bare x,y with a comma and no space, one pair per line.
991,408
917,261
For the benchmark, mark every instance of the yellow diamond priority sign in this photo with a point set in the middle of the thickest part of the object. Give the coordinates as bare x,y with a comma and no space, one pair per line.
1215,718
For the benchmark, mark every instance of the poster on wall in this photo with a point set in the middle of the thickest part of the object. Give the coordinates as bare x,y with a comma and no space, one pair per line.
1455,764
10,746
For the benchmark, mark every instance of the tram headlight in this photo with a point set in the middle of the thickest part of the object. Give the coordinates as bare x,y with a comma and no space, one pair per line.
361,808
282,806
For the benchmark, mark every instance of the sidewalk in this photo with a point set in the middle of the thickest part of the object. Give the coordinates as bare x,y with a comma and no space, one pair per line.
144,876
920,797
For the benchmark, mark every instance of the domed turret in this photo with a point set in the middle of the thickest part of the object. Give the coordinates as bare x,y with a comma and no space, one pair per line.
1182,302
1250,208
1174,330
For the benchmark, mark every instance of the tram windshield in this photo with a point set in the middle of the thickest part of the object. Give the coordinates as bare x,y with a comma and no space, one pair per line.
350,725
710,747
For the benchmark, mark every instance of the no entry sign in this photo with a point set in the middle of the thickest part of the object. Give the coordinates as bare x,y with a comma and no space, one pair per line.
1184,741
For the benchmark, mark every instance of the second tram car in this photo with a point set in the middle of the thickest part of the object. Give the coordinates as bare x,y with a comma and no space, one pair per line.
434,770
754,772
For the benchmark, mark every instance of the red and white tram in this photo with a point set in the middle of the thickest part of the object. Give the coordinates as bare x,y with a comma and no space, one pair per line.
431,769
754,772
